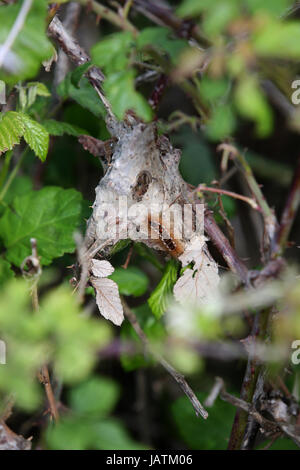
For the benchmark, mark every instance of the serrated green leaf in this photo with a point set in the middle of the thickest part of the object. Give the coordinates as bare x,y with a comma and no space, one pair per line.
159,297
59,128
31,46
131,281
120,91
11,130
50,215
35,136
96,397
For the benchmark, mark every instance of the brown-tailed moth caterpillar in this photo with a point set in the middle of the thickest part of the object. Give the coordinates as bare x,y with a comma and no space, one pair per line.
163,237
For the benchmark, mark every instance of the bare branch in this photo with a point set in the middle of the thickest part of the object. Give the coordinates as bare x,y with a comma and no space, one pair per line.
199,410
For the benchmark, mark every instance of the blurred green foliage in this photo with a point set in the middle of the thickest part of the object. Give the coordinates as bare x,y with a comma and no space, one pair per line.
219,77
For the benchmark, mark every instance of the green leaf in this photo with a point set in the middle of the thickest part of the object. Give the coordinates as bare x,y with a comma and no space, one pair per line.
131,281
281,443
159,298
11,130
278,39
31,46
5,271
14,125
60,128
18,187
273,7
50,215
76,433
41,89
119,246
112,435
222,123
36,136
70,433
212,90
84,94
96,397
161,38
252,104
192,7
75,338
219,16
120,91
212,434
148,254
112,52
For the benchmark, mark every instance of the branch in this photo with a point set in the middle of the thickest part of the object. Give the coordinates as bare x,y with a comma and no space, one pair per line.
68,44
267,213
248,200
164,16
289,212
33,271
199,410
79,57
225,249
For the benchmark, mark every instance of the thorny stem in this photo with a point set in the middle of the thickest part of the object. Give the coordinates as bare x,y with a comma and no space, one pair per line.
199,410
250,382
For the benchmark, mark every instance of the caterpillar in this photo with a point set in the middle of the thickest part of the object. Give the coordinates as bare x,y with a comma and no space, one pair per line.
165,239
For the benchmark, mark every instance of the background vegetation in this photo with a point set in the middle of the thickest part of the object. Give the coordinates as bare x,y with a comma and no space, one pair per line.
210,73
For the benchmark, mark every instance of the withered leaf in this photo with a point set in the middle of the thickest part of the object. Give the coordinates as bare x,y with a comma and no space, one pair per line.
108,299
101,268
199,283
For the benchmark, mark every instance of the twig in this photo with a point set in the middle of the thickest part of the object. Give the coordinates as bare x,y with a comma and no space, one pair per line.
199,410
225,249
34,271
68,44
104,12
289,213
248,200
267,213
164,16
78,56
266,424
17,26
